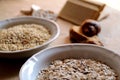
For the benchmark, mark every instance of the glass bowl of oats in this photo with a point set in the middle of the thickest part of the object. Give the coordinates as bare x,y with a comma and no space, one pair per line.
72,62
24,36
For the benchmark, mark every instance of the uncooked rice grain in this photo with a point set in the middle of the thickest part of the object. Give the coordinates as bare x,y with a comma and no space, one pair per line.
77,69
23,36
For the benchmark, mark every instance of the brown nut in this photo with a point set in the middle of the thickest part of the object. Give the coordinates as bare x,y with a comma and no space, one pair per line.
90,27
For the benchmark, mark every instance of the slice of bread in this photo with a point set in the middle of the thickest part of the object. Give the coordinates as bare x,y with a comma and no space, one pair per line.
76,36
99,5
76,11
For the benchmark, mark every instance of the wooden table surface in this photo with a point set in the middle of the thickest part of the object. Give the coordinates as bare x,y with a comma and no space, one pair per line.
9,69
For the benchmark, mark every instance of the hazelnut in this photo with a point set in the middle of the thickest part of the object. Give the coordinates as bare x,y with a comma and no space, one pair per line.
90,27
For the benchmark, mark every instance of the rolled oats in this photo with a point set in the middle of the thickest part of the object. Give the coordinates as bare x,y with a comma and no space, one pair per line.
22,37
77,69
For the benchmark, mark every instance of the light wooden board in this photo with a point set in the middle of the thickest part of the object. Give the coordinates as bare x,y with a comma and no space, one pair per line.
109,35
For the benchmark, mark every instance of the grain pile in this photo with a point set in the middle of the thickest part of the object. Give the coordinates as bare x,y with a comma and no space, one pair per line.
24,36
73,69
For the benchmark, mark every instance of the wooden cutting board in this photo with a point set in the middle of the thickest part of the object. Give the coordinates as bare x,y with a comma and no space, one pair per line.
9,70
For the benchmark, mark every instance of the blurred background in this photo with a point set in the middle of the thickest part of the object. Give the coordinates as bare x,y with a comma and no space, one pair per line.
112,3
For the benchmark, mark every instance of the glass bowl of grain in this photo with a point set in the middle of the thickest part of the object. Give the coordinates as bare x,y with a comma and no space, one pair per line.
24,36
72,62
